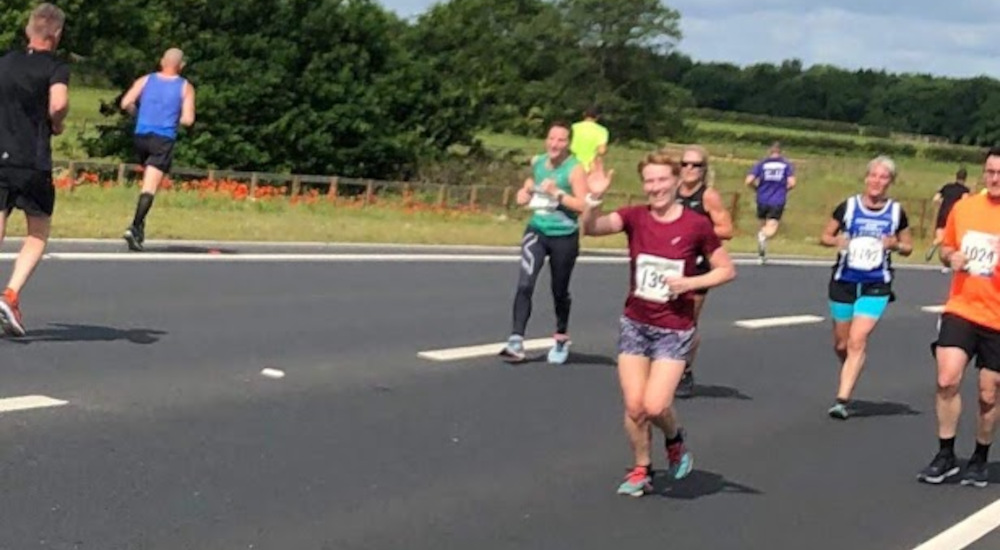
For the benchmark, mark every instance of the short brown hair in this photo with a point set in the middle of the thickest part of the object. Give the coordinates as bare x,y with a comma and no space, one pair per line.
660,157
46,21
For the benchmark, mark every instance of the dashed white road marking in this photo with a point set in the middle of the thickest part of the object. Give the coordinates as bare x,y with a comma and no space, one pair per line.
771,322
482,350
933,309
28,402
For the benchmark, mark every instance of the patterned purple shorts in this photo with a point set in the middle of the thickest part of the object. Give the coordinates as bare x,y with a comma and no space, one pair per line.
654,342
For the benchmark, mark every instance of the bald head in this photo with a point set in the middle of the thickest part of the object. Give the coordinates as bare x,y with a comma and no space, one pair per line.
173,60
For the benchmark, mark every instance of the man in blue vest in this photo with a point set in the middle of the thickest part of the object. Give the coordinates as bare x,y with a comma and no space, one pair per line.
165,99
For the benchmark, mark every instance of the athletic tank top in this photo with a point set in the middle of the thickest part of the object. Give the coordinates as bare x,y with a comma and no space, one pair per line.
866,260
160,106
695,202
558,221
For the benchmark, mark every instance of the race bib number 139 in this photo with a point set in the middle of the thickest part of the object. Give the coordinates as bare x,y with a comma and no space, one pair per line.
980,251
651,274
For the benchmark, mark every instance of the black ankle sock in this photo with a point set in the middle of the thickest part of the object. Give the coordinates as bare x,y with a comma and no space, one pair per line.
679,438
947,446
981,454
842,401
142,207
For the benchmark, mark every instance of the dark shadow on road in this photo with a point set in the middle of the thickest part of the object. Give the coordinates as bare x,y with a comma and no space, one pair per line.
718,392
575,359
866,409
60,332
698,484
175,249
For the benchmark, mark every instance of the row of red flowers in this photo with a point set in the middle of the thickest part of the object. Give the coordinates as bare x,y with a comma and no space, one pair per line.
241,191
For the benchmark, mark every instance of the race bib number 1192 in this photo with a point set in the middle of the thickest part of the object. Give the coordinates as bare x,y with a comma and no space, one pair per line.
651,274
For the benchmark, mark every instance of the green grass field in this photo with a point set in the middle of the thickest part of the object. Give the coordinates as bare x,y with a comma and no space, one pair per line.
823,182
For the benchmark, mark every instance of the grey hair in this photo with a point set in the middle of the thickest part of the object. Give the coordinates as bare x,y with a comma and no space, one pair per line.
46,21
886,161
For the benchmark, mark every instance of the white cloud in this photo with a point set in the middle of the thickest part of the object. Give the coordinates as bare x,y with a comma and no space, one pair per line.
953,38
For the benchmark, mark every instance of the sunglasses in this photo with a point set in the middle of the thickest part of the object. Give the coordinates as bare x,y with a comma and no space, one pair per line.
686,164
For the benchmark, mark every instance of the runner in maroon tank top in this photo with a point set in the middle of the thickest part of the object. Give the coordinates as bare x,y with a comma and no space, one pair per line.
658,326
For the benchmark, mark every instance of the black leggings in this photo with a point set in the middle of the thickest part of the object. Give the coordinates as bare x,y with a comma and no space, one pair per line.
562,253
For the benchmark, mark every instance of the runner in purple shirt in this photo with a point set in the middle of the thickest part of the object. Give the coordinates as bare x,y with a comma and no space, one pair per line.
773,177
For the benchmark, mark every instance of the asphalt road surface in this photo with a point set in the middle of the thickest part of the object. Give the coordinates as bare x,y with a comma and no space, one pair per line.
167,435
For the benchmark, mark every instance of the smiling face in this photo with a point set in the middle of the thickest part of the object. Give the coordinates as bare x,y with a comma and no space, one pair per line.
659,182
557,142
878,180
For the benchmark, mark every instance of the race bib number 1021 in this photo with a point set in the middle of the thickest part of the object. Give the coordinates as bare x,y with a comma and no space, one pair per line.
980,251
651,274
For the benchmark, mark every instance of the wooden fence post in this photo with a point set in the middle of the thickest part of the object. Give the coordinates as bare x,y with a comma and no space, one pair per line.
254,178
506,197
296,186
923,218
331,193
121,174
473,196
369,192
443,196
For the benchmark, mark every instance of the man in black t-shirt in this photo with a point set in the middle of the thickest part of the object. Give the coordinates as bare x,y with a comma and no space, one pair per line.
946,198
34,90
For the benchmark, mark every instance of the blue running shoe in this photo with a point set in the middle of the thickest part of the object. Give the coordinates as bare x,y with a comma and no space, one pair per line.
680,459
637,482
513,352
559,352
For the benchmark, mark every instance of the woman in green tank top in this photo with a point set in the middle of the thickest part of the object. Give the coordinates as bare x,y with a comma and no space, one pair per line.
555,192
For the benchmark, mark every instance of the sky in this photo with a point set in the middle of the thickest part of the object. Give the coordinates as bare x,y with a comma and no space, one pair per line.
940,37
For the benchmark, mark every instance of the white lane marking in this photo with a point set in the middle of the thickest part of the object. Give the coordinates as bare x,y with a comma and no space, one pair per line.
27,402
770,322
933,309
372,257
209,257
483,350
273,373
967,531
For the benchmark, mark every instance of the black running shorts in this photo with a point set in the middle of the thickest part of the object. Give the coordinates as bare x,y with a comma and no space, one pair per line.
28,190
977,341
156,151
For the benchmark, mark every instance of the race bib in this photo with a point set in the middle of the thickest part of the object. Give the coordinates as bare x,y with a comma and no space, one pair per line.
542,201
865,253
980,252
651,274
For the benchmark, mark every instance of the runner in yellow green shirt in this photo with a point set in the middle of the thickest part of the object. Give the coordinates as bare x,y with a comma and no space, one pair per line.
590,139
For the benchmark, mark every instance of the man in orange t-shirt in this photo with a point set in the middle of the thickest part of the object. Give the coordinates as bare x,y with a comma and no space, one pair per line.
970,326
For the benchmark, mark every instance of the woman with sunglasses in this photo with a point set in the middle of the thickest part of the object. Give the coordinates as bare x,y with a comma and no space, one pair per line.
695,195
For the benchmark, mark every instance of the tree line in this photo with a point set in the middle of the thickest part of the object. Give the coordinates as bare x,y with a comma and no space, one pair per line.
348,87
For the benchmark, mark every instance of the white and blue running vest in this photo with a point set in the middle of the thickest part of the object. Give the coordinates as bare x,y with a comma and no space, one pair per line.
859,223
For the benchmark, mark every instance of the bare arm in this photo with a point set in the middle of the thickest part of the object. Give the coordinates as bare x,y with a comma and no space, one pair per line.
721,220
721,273
596,225
791,182
750,180
829,236
132,95
187,109
903,242
58,107
937,198
576,201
